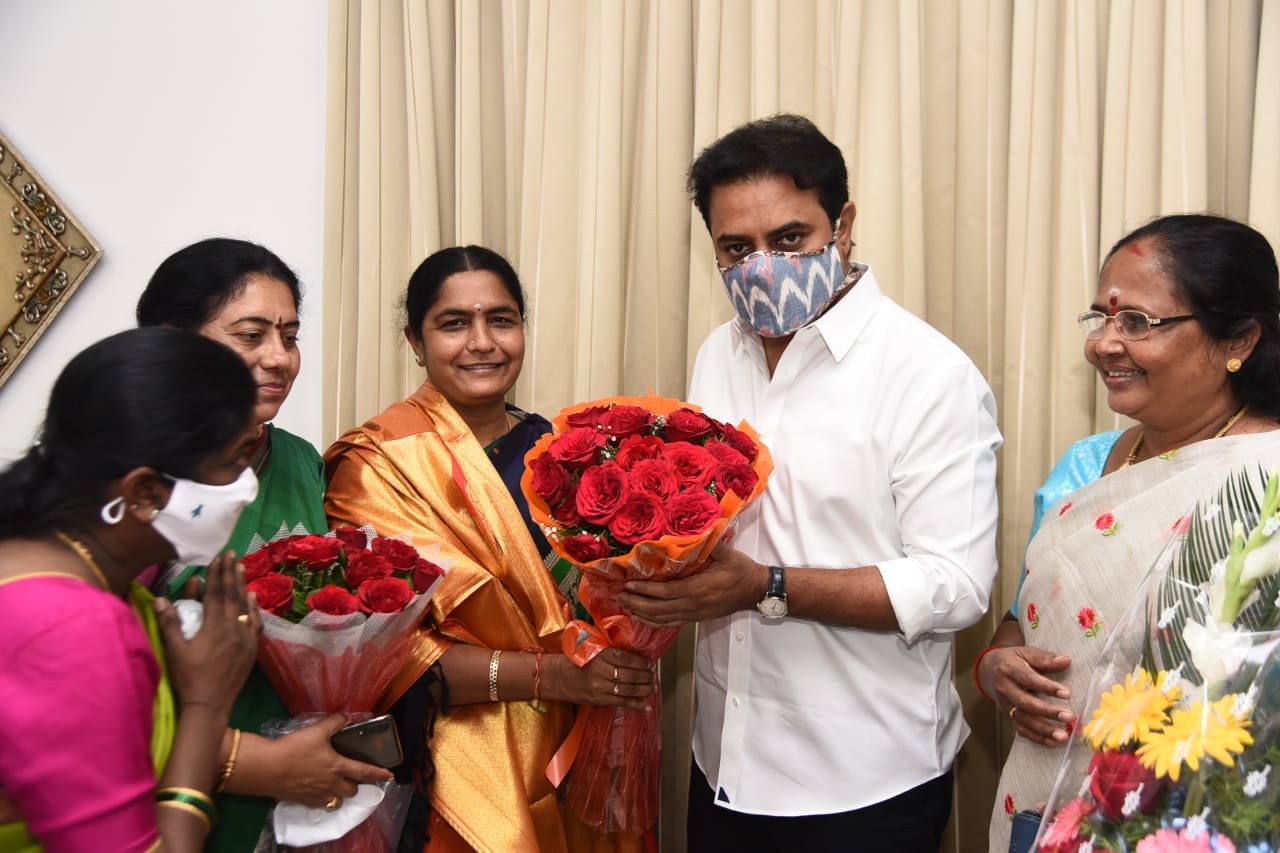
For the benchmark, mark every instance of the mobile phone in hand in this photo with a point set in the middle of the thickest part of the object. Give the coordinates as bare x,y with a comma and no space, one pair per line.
373,741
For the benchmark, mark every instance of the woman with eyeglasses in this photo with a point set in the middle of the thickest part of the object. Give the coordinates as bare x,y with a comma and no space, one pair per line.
1184,332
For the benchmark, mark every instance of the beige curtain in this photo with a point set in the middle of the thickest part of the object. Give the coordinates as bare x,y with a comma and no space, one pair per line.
996,149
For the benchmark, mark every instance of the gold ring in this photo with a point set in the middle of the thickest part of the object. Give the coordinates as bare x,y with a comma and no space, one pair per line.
1013,710
243,618
333,803
615,688
615,675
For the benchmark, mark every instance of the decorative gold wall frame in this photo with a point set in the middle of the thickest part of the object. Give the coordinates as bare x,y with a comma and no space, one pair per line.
45,253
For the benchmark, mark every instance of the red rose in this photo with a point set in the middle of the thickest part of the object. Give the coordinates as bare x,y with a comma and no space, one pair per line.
258,564
280,548
687,425
551,480
1115,775
692,513
725,453
637,448
656,476
740,479
352,538
566,512
313,552
601,491
274,592
583,547
401,555
367,566
641,517
425,573
625,421
334,600
588,418
384,595
694,464
741,442
577,448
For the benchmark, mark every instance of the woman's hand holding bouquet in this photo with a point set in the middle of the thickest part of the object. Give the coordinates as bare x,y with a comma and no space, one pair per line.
338,614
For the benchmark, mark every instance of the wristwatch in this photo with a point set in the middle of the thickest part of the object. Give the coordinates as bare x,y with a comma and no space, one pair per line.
774,603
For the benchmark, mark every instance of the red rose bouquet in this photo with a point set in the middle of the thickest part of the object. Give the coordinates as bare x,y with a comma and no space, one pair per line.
339,614
632,488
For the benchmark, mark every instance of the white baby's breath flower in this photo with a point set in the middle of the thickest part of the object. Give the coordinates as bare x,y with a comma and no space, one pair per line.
1166,617
1084,787
1172,679
1218,571
1085,846
1197,825
1242,705
1272,525
1256,782
1132,801
1212,511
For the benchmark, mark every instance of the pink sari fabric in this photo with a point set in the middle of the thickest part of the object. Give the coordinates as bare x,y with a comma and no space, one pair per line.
79,684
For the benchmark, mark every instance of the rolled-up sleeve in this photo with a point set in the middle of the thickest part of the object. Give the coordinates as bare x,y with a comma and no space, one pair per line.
944,492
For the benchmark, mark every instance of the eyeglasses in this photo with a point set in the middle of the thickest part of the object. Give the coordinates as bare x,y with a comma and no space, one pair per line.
1132,325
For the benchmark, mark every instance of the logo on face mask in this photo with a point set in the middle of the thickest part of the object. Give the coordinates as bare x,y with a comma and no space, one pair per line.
199,518
778,293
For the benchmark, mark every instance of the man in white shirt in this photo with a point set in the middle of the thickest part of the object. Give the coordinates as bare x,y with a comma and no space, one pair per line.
826,715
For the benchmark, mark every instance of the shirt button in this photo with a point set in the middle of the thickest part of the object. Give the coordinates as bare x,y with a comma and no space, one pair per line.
736,702
740,636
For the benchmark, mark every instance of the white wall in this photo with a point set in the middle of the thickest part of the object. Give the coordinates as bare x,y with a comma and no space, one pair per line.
159,122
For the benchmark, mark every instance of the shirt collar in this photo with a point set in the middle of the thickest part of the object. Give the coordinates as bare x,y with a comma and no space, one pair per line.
839,327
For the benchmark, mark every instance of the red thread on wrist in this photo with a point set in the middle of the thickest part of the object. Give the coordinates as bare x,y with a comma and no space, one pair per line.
978,663
536,701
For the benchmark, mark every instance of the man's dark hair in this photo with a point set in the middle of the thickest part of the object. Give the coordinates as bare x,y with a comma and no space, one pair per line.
784,144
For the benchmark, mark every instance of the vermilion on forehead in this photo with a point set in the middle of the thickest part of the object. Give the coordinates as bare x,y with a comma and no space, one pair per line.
1136,248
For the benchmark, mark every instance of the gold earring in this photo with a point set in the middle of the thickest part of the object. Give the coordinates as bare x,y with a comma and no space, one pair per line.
1233,365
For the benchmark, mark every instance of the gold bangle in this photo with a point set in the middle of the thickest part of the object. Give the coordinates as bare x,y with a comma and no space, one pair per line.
230,766
189,809
493,675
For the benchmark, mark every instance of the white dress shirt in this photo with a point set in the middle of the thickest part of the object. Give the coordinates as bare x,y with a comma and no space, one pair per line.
883,435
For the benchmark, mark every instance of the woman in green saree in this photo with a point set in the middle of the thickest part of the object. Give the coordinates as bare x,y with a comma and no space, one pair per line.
242,295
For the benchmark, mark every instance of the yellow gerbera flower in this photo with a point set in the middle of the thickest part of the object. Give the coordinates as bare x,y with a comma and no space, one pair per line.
1128,711
1193,733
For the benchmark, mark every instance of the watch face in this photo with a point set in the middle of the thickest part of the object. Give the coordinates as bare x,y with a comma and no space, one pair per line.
772,608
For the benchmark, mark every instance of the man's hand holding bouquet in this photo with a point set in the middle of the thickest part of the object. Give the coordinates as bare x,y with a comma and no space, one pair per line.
632,488
339,613
1183,732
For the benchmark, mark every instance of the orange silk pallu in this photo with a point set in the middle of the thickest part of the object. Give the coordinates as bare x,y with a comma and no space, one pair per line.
417,469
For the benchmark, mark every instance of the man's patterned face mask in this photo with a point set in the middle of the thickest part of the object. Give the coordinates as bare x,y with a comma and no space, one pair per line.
776,293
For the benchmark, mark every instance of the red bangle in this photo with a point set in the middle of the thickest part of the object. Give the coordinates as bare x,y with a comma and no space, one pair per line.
978,663
536,701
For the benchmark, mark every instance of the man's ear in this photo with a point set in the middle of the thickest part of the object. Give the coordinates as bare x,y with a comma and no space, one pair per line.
844,237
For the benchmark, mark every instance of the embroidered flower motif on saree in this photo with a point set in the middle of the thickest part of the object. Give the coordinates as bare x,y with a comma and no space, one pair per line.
1106,524
1089,621
1033,615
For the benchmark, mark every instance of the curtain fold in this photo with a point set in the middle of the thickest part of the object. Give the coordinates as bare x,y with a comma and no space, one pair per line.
996,149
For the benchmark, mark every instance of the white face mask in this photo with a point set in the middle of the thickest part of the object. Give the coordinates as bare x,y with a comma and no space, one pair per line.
199,518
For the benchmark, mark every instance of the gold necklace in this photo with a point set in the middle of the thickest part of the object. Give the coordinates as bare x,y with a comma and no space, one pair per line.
1137,445
83,553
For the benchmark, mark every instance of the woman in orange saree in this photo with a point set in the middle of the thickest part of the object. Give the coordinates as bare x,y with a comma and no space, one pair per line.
426,467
